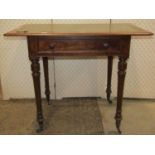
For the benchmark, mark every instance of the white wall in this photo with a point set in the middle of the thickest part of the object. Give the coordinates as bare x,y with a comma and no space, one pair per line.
80,77
140,80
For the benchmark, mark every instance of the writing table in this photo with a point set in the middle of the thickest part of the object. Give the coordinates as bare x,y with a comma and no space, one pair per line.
53,40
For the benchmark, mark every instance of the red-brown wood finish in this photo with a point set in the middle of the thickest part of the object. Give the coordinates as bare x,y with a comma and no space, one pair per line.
80,46
35,67
46,76
109,76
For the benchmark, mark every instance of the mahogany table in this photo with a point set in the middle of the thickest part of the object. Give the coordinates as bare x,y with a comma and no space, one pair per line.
52,40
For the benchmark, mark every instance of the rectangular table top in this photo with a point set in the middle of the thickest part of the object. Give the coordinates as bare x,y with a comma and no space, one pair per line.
78,30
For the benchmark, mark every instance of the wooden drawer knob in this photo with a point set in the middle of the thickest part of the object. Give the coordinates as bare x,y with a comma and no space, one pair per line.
105,45
52,46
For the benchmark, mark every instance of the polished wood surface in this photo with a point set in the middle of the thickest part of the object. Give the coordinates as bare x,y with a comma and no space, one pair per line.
35,67
79,46
46,76
49,46
109,76
77,30
50,40
122,66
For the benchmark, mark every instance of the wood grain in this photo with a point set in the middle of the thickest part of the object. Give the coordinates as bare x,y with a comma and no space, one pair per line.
77,30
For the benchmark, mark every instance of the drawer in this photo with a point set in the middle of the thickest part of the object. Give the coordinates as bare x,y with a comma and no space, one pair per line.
79,45
76,44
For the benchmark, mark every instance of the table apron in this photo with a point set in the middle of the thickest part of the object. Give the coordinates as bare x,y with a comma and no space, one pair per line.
78,46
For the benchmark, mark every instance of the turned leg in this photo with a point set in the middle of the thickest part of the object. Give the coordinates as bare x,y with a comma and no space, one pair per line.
109,75
46,75
122,65
35,67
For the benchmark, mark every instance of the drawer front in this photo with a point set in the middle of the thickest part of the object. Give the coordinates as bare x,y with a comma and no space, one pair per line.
79,46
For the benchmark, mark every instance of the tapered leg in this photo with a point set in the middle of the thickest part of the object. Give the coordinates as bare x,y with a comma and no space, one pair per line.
109,75
46,75
35,67
122,65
